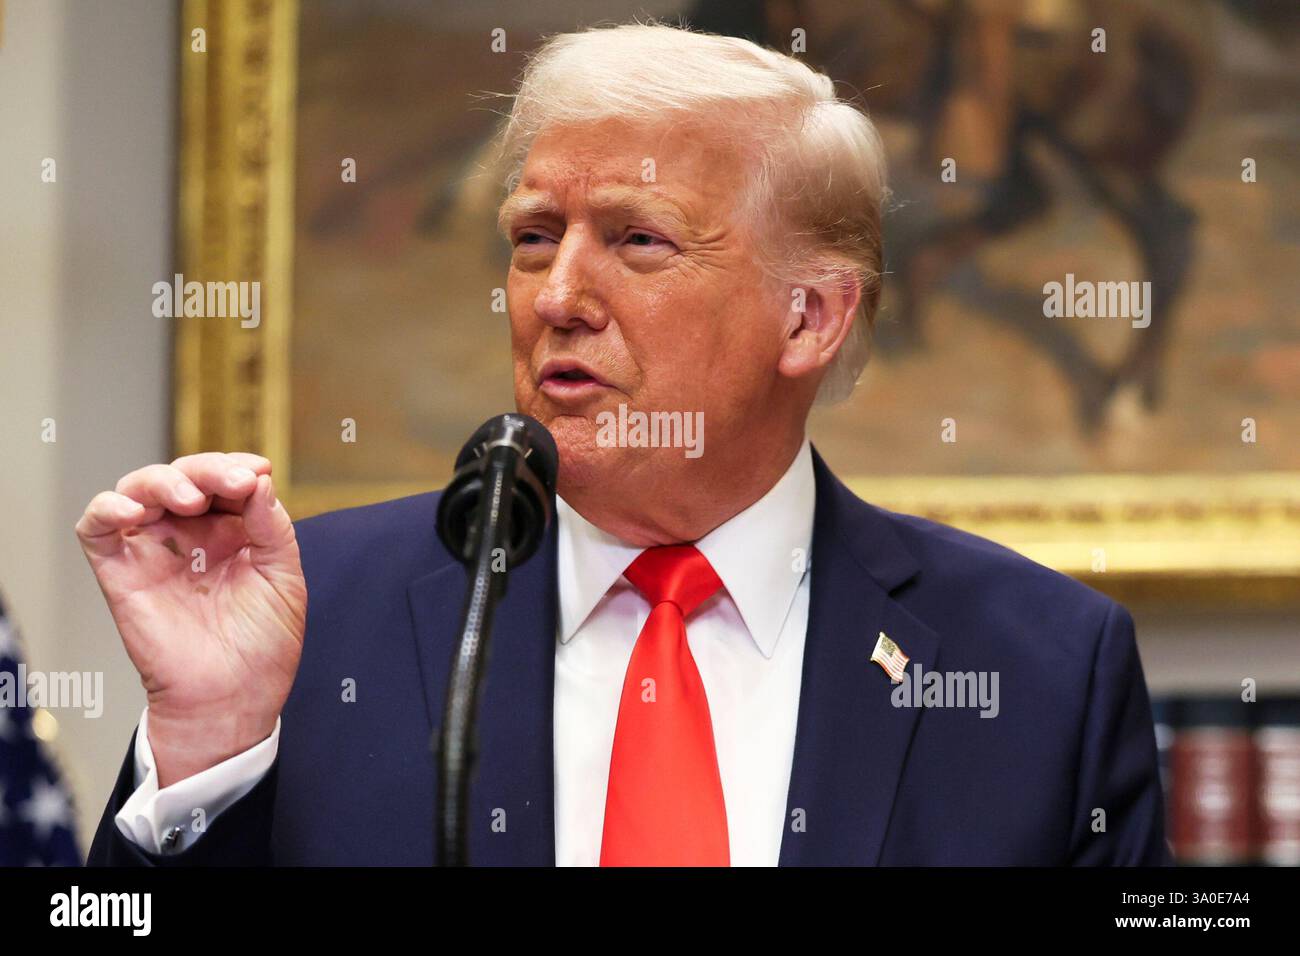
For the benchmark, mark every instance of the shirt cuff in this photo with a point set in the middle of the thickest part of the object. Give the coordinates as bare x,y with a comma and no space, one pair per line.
171,819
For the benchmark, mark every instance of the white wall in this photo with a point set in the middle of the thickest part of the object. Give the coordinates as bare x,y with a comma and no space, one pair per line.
91,85
1191,650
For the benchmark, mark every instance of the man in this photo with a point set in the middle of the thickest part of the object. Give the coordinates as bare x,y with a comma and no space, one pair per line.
684,674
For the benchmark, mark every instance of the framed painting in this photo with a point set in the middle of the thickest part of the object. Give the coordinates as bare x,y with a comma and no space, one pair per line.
1088,350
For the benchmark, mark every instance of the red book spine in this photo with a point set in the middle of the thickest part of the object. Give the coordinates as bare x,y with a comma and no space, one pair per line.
1278,758
1213,806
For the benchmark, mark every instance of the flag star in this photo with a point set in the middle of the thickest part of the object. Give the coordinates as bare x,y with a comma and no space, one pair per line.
47,810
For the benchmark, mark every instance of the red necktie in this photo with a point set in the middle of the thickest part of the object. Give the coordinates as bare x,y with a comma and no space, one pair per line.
664,805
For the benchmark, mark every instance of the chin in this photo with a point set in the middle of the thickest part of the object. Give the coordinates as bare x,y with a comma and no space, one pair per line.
583,463
580,458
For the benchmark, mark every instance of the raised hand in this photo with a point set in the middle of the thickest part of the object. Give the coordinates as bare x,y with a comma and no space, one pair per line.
199,565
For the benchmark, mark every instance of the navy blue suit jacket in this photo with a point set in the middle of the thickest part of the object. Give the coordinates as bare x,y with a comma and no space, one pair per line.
872,783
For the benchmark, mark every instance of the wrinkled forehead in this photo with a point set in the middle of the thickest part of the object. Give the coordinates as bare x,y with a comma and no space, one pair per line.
679,170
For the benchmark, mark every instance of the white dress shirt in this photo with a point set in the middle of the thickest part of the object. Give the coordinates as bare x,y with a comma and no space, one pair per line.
747,642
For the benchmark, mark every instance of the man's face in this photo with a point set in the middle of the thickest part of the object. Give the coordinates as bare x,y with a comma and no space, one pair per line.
633,281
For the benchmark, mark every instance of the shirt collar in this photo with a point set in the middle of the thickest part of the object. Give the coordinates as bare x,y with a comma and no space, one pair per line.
761,555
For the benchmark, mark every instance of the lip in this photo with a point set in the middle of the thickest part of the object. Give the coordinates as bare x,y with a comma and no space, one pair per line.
556,387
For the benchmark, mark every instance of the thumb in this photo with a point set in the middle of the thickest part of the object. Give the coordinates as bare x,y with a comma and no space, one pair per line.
273,544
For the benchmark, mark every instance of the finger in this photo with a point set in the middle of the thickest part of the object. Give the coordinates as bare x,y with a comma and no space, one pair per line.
258,463
274,547
163,486
216,473
100,527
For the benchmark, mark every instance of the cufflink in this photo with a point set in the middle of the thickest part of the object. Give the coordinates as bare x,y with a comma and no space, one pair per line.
171,838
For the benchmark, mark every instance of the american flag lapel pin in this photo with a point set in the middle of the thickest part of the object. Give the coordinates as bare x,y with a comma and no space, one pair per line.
890,657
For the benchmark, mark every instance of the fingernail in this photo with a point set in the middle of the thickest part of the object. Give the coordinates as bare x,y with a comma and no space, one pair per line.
241,474
188,493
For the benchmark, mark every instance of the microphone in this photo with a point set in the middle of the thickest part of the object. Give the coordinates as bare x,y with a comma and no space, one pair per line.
499,503
529,461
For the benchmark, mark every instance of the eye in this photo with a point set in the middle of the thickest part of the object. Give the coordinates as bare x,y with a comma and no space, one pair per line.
529,238
644,240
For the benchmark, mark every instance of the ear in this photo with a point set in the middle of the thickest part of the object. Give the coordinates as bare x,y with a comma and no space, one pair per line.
817,331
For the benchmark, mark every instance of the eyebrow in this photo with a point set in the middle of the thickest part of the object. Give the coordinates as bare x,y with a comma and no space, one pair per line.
619,199
523,205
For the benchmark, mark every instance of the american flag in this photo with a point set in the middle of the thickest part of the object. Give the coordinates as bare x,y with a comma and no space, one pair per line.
36,815
891,657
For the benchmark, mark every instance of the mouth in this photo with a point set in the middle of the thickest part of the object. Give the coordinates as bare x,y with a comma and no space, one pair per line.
568,379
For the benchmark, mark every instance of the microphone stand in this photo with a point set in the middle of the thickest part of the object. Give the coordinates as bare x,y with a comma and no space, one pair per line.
456,743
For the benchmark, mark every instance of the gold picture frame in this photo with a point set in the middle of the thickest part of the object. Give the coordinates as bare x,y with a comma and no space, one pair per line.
1178,537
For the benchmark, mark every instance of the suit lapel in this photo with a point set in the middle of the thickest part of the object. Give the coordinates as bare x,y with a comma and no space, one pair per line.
851,742
511,808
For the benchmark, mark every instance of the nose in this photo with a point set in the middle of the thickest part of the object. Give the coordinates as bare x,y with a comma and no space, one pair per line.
569,297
